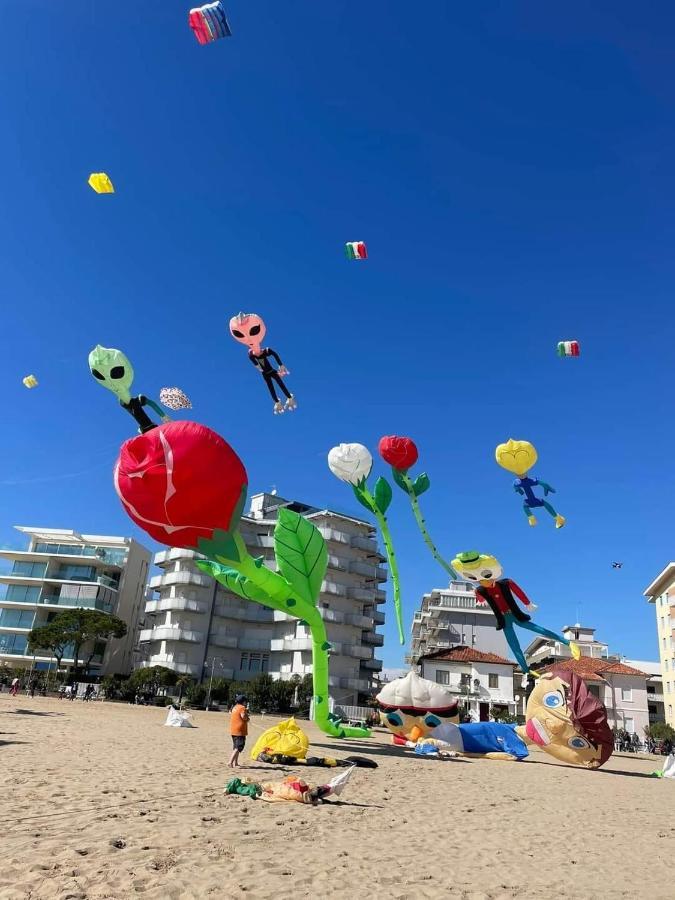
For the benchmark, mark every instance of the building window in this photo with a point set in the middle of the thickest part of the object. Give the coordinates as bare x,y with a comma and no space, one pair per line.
627,694
651,689
255,662
666,664
629,725
670,711
594,689
493,680
17,618
442,677
29,569
21,593
14,644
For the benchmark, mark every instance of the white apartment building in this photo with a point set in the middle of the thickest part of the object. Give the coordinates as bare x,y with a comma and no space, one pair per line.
654,687
451,616
483,681
661,592
62,569
194,626
621,687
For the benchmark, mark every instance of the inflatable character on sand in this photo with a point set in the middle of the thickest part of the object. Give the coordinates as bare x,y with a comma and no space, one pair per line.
562,718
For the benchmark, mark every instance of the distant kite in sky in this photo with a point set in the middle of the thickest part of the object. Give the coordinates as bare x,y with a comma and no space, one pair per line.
568,348
101,183
30,381
209,22
617,565
174,398
519,457
250,330
356,250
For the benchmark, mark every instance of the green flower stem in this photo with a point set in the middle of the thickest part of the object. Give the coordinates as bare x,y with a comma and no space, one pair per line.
421,524
391,557
281,597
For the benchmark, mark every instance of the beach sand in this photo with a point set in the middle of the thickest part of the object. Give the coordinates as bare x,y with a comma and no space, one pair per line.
101,800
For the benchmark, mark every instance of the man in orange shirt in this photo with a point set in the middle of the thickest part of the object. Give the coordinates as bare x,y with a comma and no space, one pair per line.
238,727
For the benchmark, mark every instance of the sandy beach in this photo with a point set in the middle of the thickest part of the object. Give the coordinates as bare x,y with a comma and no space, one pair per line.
102,801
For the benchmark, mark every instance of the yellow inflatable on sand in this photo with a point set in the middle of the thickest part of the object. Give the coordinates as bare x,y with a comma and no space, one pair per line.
286,738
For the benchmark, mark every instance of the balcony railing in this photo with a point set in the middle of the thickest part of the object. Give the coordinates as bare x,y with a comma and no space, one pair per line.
223,640
290,644
180,604
373,638
364,543
375,665
378,617
169,578
170,633
159,659
338,537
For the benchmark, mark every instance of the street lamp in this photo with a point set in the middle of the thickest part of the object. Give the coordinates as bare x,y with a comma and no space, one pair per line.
214,660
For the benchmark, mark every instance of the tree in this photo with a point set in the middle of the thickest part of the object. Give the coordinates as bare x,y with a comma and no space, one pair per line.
220,690
49,638
260,692
183,683
77,628
281,696
150,680
305,692
659,731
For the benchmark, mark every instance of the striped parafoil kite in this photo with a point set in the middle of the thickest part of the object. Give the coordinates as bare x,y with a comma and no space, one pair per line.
209,22
356,250
101,183
568,348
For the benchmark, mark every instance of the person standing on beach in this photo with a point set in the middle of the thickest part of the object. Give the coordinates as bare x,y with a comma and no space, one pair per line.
238,728
14,690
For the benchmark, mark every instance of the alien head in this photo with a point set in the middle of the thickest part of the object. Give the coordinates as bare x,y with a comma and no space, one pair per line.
112,369
477,567
248,329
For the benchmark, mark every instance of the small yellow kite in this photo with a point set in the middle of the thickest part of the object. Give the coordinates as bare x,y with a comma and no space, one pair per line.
101,183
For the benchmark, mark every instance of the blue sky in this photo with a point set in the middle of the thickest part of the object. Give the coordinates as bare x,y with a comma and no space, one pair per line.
509,166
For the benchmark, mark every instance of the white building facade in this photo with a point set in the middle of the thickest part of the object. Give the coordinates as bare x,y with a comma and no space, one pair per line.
661,592
196,627
483,681
62,569
449,617
652,670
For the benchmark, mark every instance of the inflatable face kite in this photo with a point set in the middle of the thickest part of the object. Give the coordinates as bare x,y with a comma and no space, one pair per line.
249,329
519,457
566,721
412,707
114,371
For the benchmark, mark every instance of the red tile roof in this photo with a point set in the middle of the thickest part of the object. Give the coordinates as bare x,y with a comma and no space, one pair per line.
587,667
468,655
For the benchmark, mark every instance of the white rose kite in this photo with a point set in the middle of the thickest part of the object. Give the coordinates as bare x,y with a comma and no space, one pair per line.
350,463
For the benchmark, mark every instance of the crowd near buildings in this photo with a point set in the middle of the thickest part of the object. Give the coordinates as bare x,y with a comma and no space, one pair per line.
184,620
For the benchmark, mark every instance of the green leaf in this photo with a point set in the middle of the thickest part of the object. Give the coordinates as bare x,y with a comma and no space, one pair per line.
301,554
234,581
382,494
398,478
360,496
222,544
421,484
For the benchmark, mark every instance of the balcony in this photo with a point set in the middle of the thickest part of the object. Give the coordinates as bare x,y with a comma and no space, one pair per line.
332,615
170,633
375,665
159,659
289,644
372,638
174,553
655,698
356,684
354,650
337,537
363,595
249,643
223,640
169,578
359,567
332,587
381,573
252,612
378,617
359,621
77,602
181,604
380,597
338,563
368,545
